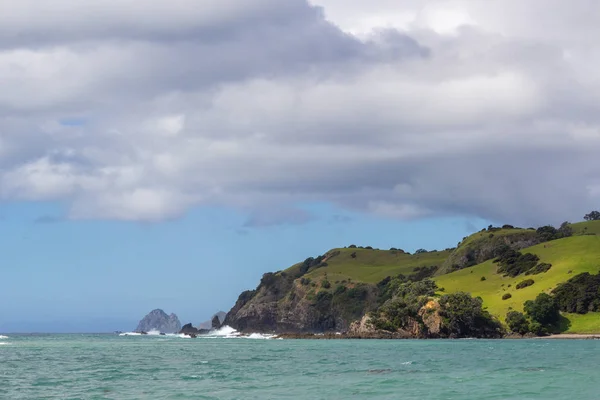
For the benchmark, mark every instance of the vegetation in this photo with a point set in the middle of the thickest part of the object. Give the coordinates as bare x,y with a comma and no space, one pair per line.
592,216
580,294
568,257
539,269
513,263
494,266
524,284
463,316
517,322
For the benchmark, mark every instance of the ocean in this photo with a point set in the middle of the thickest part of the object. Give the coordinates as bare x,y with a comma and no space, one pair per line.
226,366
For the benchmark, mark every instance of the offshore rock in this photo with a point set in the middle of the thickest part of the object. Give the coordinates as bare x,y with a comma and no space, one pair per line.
158,320
209,324
216,323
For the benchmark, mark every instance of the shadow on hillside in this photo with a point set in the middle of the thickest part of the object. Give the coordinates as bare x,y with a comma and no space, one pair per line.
563,324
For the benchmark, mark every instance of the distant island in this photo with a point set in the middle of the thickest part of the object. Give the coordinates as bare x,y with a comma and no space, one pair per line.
502,281
158,320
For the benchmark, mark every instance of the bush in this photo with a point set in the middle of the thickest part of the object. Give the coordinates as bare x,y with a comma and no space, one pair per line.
482,278
420,251
325,284
305,281
525,283
543,309
517,322
593,216
512,263
506,296
353,255
579,294
539,269
463,316
352,246
339,290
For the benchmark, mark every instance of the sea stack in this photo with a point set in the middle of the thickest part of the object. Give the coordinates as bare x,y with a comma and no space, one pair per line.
158,320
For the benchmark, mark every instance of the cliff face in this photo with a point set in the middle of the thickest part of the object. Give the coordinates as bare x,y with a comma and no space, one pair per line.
158,320
284,304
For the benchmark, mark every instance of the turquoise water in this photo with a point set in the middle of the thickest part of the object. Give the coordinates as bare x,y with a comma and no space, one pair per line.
115,367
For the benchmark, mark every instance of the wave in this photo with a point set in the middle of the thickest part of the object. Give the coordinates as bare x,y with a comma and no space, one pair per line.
4,343
225,332
4,337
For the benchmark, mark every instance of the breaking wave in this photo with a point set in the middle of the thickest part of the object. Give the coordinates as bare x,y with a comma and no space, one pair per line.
225,332
3,337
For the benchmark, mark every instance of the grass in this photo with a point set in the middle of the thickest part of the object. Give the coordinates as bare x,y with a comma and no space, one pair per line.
371,266
485,235
568,257
586,227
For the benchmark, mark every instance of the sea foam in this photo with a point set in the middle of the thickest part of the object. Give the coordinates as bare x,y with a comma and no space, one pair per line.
3,337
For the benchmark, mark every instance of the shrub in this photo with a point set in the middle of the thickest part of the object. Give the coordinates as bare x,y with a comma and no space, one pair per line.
579,294
369,248
353,255
525,283
464,316
352,246
539,269
592,216
506,296
513,263
491,235
339,290
517,322
305,281
508,226
543,309
420,251
482,278
325,284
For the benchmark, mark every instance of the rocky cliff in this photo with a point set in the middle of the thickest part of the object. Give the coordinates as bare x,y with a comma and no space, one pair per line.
158,320
287,302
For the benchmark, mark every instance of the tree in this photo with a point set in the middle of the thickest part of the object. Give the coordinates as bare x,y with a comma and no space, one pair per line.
420,251
565,229
517,322
464,316
543,309
593,216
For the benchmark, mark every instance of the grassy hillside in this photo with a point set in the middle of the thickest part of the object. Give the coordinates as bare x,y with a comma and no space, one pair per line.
586,227
371,266
481,246
569,257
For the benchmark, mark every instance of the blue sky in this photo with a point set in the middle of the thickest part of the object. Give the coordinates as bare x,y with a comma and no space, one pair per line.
105,275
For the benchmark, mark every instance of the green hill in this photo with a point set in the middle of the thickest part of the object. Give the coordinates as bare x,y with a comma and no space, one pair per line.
329,292
569,257
371,266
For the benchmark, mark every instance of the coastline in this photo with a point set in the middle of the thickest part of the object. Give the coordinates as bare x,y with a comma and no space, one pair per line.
341,336
580,336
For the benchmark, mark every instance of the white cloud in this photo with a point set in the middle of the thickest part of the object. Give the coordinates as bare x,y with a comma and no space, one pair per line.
466,110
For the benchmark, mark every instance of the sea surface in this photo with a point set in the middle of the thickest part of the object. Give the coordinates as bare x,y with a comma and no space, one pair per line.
226,366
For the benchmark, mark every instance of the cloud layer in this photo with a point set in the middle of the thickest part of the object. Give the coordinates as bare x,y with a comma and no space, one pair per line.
135,111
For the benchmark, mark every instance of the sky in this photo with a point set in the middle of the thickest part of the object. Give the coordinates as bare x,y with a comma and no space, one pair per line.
167,154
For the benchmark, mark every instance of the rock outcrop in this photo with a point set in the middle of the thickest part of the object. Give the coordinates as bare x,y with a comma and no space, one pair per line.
158,320
216,323
209,324
283,304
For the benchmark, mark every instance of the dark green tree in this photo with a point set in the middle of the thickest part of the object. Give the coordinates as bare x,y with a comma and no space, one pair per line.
517,322
543,309
592,216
